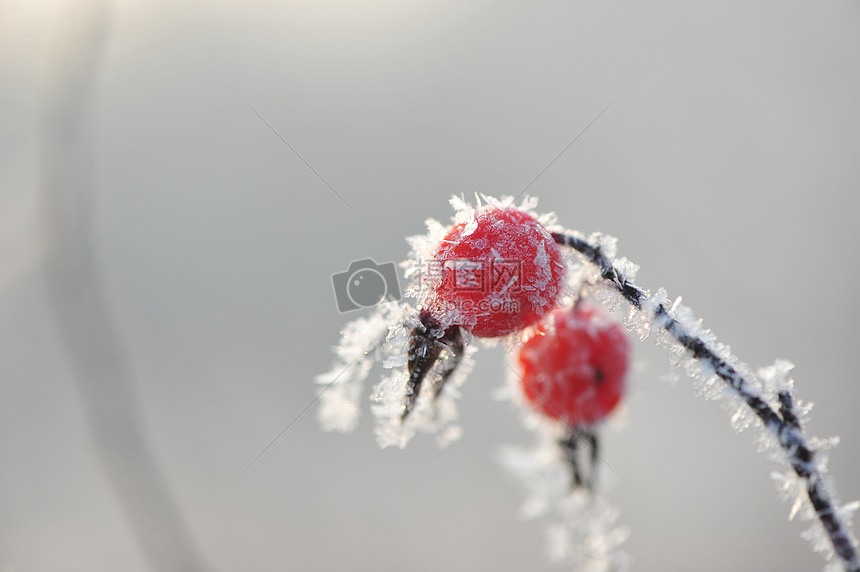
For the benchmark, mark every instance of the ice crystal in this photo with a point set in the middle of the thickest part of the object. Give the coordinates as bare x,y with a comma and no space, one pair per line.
378,337
584,533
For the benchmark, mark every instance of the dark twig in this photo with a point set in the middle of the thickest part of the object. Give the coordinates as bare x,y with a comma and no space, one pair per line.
569,445
784,424
425,346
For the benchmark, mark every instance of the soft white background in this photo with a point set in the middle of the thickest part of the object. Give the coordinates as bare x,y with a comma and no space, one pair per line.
728,170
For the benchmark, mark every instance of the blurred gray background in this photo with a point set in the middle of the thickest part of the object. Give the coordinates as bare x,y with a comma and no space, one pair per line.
728,170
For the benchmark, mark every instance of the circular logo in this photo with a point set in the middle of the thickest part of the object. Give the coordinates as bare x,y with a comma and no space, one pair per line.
366,287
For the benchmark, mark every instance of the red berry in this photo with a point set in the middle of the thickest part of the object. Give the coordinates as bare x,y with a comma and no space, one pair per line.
500,273
575,371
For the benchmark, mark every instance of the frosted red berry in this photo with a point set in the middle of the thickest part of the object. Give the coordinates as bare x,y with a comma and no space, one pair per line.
576,370
499,273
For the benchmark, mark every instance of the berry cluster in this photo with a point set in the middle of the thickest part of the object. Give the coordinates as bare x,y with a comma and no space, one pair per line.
497,272
502,271
501,274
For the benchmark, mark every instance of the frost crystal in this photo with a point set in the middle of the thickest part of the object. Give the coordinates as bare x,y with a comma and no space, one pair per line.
584,534
383,337
378,337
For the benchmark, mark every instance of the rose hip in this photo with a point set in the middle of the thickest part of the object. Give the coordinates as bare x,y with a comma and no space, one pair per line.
576,370
501,272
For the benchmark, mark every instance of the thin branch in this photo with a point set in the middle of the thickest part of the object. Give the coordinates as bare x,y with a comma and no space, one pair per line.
783,425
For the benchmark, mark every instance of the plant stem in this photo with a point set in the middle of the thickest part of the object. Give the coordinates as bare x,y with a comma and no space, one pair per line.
784,424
